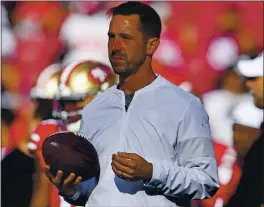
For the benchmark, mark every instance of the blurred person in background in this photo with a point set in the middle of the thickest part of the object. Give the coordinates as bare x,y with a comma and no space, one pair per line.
223,44
223,48
7,117
250,192
218,104
21,126
247,120
77,85
21,67
18,167
36,26
42,94
84,32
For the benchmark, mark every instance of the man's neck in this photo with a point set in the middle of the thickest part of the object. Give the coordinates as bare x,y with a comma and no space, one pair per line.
237,91
135,82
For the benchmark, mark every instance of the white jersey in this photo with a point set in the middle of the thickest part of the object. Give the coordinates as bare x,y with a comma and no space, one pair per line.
219,104
86,37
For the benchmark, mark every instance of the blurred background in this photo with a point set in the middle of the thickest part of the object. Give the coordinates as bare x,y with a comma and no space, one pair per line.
201,43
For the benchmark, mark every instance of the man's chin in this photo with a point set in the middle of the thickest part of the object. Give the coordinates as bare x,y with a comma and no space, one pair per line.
120,70
259,104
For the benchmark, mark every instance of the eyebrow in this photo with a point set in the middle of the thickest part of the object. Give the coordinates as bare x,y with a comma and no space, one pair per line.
110,33
120,34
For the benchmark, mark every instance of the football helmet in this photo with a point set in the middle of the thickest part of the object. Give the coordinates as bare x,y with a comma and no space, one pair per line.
47,83
79,83
43,92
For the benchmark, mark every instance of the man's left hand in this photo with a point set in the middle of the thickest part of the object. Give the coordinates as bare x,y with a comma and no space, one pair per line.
131,167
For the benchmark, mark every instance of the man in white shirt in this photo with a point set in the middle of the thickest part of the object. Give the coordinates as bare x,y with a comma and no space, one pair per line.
250,189
152,138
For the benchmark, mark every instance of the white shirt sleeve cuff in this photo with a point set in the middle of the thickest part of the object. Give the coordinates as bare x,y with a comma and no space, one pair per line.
156,179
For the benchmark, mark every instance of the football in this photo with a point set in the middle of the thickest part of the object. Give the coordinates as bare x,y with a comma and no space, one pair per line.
71,153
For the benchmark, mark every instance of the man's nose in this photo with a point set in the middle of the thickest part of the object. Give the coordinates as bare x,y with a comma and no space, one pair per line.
116,45
249,83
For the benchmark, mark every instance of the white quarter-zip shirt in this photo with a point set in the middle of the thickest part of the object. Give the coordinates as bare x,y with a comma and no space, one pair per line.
165,125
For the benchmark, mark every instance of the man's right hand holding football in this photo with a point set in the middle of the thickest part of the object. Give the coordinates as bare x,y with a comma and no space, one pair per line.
66,187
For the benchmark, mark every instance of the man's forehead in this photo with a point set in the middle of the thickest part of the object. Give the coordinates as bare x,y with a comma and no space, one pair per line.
125,23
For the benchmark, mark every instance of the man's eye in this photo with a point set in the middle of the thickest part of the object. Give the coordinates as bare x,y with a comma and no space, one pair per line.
126,37
110,36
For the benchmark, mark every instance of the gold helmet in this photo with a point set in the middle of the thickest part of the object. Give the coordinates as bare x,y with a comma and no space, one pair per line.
47,83
79,83
44,91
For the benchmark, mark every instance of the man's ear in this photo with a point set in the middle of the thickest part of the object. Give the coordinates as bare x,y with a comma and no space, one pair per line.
152,45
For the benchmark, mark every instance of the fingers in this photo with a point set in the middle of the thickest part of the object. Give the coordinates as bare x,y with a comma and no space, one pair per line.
126,155
124,161
78,180
48,173
122,168
71,179
121,174
47,168
57,180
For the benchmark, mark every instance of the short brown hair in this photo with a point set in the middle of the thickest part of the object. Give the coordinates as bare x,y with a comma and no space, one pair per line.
149,19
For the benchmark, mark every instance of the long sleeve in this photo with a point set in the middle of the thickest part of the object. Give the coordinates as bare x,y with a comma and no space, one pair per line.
83,191
194,173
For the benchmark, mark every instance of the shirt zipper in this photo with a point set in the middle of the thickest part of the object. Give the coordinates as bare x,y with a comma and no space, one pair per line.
124,123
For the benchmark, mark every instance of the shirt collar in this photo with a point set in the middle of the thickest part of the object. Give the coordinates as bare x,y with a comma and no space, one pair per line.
155,84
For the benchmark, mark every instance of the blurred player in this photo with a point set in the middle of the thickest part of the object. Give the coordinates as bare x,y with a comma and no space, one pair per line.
246,128
78,84
218,104
42,95
7,117
247,120
19,166
250,189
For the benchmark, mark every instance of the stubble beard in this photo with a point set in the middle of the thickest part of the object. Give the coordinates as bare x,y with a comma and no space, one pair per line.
128,70
259,102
